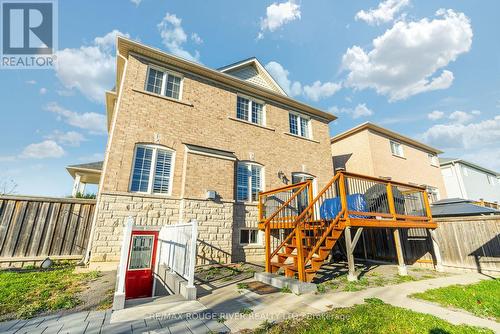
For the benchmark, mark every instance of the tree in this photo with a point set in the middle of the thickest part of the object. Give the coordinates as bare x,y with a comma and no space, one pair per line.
7,187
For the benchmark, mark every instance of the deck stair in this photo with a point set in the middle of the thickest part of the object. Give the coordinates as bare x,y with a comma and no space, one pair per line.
301,229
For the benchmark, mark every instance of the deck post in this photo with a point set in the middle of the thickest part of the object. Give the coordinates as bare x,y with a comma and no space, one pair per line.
350,256
437,253
268,247
402,271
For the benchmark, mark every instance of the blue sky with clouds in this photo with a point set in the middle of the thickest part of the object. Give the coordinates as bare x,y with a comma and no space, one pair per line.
428,69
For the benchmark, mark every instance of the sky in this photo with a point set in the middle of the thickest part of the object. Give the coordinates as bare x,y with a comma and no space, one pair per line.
428,69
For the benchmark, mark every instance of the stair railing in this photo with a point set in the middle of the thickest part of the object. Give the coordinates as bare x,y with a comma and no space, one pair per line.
286,204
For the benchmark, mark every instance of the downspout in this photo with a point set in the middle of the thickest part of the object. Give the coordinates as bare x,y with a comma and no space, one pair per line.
106,157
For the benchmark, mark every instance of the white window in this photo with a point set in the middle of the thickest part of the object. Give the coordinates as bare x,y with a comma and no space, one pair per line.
434,160
164,83
152,170
299,125
491,179
433,194
249,236
397,149
248,182
250,110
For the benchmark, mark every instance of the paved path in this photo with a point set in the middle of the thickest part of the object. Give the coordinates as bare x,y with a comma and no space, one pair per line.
280,306
174,315
169,315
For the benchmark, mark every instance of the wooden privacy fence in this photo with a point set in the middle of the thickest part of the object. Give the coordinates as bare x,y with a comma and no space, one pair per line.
465,242
32,228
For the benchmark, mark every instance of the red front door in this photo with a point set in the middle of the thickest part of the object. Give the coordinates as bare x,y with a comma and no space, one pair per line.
141,261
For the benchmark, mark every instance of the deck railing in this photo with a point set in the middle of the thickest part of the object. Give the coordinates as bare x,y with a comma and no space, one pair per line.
291,215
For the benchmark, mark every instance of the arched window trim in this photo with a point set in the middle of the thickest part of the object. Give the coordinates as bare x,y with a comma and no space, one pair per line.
152,170
249,164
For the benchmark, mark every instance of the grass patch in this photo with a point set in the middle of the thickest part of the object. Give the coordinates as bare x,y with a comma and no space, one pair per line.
26,293
285,289
358,285
372,317
481,299
242,286
246,311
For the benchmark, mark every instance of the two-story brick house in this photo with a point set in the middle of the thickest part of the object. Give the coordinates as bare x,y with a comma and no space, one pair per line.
372,150
186,141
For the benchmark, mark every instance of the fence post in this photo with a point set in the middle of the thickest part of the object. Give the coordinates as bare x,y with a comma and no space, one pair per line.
192,260
437,251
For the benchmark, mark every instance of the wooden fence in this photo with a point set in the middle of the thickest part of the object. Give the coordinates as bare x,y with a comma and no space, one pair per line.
32,228
466,243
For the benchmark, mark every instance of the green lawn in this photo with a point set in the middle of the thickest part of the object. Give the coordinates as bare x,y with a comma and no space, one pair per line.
26,293
481,299
372,317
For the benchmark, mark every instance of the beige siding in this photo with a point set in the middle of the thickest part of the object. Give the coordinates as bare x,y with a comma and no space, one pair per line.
368,152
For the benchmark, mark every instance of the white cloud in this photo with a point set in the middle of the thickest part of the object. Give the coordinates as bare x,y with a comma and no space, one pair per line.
465,136
385,12
43,91
405,60
136,2
174,37
93,122
320,90
71,138
435,115
31,82
42,150
89,69
278,14
462,117
280,74
314,92
361,110
196,38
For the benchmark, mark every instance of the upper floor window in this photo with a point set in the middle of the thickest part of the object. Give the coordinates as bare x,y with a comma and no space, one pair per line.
152,170
434,160
250,110
248,182
397,149
433,193
299,125
164,83
491,179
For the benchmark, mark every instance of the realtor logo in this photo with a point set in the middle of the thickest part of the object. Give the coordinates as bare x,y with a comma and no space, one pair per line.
29,38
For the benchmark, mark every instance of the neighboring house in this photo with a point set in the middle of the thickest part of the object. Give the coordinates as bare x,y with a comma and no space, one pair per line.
467,180
83,174
370,149
189,142
458,207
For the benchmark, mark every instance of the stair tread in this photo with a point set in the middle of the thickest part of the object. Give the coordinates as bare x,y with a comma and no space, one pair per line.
287,255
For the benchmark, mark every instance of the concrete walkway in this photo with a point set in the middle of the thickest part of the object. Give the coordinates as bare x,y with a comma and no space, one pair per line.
169,315
279,306
174,315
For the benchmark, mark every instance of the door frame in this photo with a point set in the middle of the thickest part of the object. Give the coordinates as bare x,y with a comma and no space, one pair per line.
152,260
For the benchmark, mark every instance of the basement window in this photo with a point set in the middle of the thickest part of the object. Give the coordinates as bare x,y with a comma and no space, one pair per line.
249,236
163,82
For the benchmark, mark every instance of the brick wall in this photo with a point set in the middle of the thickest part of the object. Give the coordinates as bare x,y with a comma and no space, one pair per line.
206,117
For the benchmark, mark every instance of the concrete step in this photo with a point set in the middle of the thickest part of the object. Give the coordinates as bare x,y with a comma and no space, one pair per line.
279,282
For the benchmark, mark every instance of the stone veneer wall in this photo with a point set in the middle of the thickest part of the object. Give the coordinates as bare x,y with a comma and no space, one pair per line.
218,225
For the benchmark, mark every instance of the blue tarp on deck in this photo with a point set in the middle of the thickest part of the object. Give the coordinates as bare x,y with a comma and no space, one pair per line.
332,206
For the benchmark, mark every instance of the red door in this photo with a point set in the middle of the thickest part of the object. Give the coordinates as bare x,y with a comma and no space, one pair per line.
141,260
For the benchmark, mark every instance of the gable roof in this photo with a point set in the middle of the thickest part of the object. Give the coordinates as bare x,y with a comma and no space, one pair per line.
449,161
251,70
127,46
384,131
